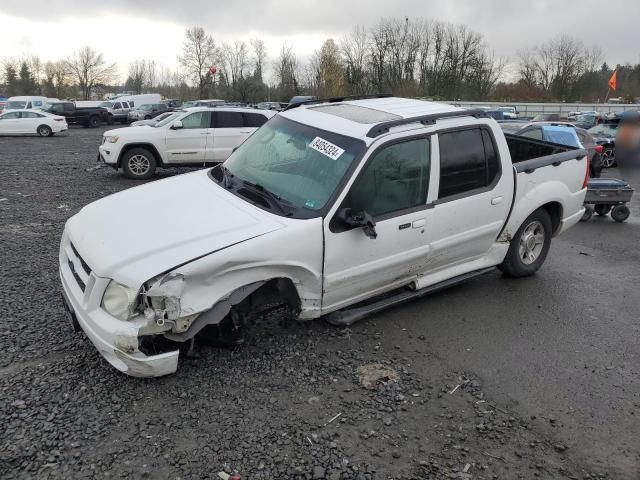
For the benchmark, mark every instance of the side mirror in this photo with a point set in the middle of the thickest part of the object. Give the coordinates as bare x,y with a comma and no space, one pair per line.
359,220
177,125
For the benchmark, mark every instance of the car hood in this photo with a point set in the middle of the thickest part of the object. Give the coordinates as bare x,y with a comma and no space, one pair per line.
144,231
122,132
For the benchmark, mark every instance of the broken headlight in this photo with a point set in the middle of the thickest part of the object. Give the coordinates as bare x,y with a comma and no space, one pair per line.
120,301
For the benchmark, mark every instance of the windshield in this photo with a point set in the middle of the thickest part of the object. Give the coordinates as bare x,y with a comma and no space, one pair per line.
146,108
106,104
16,105
166,119
606,129
300,164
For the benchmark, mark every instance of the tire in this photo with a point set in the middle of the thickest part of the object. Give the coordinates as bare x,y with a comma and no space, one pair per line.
620,213
44,131
588,213
602,210
94,121
529,246
138,164
147,117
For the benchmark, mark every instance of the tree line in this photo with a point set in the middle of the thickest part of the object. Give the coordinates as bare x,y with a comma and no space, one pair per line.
408,57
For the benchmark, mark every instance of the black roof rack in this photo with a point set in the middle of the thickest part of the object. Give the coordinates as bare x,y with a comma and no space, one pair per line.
430,119
338,99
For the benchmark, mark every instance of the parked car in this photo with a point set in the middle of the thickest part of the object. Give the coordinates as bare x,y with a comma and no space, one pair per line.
135,101
510,113
328,218
153,121
301,99
117,111
31,122
173,104
25,102
548,117
196,136
594,152
276,106
563,134
87,116
147,112
605,135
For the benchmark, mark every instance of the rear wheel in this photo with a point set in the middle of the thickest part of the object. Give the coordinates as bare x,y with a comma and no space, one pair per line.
139,164
529,246
608,157
44,131
620,213
94,121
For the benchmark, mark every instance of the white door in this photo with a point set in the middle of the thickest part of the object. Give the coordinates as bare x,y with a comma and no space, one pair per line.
474,197
30,121
189,143
229,132
10,123
392,188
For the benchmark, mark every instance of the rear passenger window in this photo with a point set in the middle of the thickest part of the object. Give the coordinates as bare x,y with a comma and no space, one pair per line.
253,119
395,179
229,120
468,161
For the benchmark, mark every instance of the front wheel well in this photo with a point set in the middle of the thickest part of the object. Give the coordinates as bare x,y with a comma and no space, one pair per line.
147,146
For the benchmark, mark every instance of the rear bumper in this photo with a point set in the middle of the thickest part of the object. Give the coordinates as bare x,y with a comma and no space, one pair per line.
574,207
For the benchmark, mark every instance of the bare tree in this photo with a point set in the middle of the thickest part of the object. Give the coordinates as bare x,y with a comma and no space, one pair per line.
56,79
88,68
259,50
354,48
199,53
286,73
235,63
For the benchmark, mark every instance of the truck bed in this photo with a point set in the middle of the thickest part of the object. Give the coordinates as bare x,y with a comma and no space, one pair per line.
528,154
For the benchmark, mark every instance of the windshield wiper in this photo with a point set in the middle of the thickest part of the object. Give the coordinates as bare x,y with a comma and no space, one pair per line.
272,197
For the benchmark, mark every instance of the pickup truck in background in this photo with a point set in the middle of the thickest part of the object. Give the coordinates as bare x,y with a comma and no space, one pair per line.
87,116
334,209
117,111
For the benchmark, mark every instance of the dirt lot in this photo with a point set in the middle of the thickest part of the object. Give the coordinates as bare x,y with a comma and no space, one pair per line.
536,378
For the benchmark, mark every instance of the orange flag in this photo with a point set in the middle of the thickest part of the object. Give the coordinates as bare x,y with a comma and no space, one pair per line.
613,81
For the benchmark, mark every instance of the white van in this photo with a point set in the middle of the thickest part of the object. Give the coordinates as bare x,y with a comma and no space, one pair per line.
136,101
25,102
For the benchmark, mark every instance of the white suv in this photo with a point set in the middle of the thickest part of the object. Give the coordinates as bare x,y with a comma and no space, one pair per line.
194,136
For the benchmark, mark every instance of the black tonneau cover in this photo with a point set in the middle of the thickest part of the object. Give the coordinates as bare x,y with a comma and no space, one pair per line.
528,154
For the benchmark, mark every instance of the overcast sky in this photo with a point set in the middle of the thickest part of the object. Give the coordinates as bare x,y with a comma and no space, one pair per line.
125,30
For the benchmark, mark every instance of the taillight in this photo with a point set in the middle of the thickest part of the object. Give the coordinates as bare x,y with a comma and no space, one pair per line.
586,175
598,148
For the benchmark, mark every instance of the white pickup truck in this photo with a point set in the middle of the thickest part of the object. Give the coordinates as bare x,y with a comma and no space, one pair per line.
333,209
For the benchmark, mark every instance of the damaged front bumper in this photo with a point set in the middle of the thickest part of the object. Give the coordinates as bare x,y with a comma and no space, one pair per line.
116,340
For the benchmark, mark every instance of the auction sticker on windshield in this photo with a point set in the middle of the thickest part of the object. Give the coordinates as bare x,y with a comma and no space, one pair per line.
326,148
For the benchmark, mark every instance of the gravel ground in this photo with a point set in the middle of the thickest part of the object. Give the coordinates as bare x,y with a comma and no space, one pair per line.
301,401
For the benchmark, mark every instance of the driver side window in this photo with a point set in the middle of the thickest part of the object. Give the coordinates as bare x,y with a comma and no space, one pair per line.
395,179
196,120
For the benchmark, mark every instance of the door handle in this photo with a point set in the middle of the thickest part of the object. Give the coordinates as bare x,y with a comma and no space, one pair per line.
419,223
205,133
496,200
248,131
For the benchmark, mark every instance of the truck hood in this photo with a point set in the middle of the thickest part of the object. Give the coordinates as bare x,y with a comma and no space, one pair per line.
144,231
